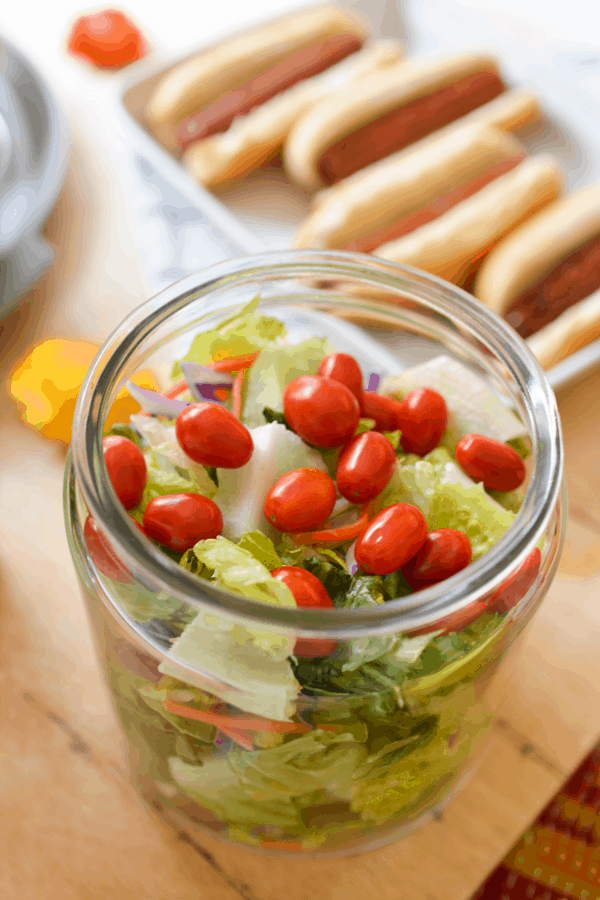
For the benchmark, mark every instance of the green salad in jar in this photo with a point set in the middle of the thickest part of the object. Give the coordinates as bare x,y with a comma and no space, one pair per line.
281,471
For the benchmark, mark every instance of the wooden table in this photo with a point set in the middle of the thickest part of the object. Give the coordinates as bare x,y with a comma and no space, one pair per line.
71,828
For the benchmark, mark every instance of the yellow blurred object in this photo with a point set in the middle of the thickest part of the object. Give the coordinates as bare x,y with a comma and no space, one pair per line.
46,384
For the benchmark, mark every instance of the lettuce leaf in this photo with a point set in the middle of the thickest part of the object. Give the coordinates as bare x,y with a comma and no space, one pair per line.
471,511
242,492
279,364
261,548
334,579
421,768
155,694
243,333
143,605
448,498
239,672
216,787
247,666
270,787
238,570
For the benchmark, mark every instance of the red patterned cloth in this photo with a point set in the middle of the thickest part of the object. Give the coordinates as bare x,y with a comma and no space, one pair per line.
558,858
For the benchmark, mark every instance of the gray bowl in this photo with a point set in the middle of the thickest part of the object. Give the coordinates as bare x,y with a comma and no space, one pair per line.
34,142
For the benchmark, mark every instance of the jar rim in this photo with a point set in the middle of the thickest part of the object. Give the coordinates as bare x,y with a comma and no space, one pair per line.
159,573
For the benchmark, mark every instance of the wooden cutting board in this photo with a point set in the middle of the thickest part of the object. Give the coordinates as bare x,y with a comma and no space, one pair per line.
71,828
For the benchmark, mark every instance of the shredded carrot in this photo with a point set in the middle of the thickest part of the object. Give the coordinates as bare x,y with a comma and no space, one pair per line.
335,535
237,364
236,722
178,388
239,736
236,393
234,364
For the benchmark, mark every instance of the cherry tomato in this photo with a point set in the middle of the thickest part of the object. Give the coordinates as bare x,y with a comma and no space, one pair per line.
108,39
308,592
212,436
103,555
300,500
181,520
365,466
322,411
126,469
391,538
516,586
344,368
496,464
423,418
385,411
444,553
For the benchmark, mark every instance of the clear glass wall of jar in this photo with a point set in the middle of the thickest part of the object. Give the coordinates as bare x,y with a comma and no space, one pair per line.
272,752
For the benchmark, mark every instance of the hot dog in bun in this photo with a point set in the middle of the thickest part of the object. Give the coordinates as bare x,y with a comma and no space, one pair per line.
453,245
192,86
546,266
387,112
411,188
256,137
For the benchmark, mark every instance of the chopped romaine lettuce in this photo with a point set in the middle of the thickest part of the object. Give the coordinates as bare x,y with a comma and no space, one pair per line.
471,511
241,673
168,464
242,492
448,498
154,695
166,477
243,333
275,368
261,548
271,786
143,605
248,658
238,570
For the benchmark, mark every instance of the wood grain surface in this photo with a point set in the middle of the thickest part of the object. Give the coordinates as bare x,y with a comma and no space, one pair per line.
71,827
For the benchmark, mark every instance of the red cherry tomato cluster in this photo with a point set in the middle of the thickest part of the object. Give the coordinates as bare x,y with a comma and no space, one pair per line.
324,410
421,417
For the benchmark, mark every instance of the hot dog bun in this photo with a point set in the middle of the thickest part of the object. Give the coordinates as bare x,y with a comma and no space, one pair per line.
525,256
202,79
574,329
255,138
450,246
402,184
343,113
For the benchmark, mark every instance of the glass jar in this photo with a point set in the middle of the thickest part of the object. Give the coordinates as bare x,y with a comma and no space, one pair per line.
356,745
